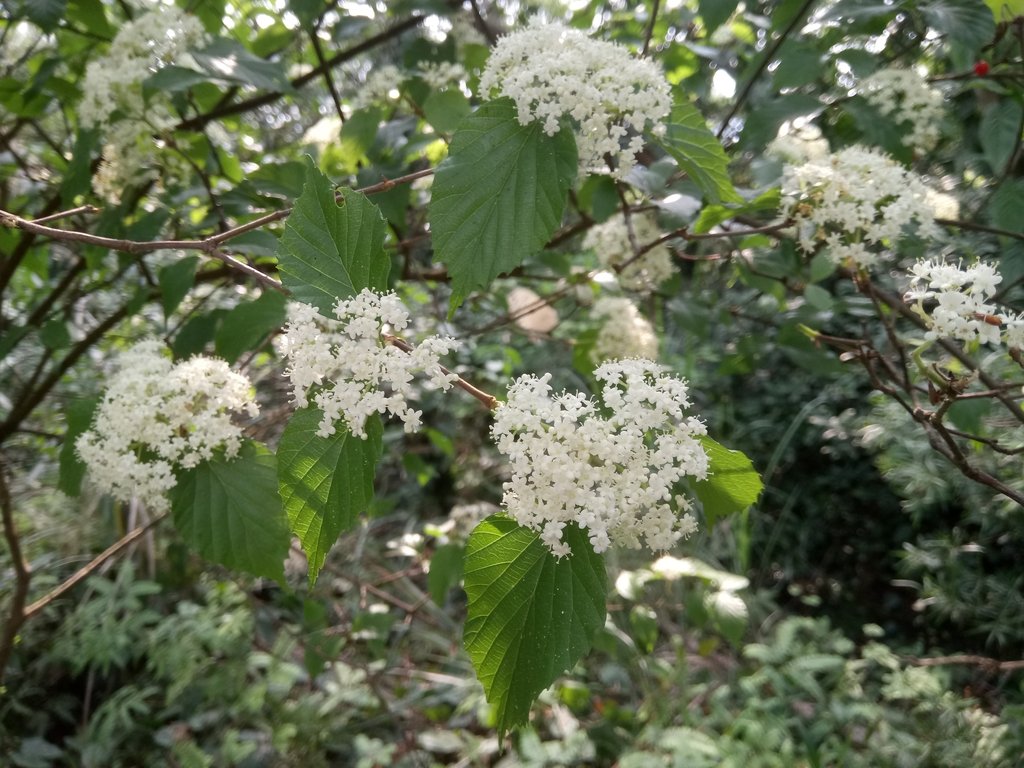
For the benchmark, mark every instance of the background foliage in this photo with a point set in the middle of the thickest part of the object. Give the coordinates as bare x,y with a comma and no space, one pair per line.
866,611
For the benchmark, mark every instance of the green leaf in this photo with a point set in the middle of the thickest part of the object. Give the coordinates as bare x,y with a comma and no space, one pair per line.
176,280
55,334
90,14
325,483
245,326
732,485
230,61
228,510
697,151
196,334
445,571
498,196
1000,133
1006,204
446,109
531,616
330,251
716,12
78,177
173,78
79,414
45,14
967,22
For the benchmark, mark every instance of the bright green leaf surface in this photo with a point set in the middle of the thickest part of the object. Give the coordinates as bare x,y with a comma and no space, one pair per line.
699,153
499,195
325,483
531,615
229,512
330,251
732,485
248,324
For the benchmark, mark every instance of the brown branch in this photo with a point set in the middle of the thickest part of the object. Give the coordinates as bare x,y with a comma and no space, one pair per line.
78,576
22,577
650,28
488,400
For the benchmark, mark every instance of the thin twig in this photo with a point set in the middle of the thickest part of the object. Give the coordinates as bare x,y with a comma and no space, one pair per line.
78,576
650,28
16,615
488,400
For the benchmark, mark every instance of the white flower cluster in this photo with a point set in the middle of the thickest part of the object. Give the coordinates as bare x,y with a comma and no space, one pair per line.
624,331
798,144
442,74
381,84
155,415
112,96
962,303
114,82
904,95
554,72
610,241
855,202
354,371
613,476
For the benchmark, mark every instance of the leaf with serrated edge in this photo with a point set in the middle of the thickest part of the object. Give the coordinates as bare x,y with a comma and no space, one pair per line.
228,510
697,151
732,485
330,251
325,483
498,196
531,616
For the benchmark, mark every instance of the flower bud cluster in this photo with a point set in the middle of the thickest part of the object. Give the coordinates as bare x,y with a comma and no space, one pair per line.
611,242
624,331
156,415
905,96
615,475
554,72
350,369
960,303
855,203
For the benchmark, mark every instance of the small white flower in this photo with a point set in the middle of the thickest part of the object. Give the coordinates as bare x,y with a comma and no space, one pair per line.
615,475
350,371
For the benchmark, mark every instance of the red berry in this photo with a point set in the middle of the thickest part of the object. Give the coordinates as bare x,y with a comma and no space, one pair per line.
981,68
